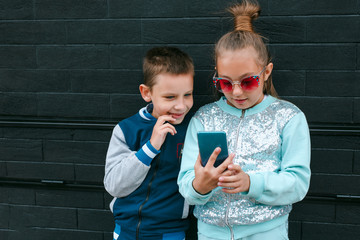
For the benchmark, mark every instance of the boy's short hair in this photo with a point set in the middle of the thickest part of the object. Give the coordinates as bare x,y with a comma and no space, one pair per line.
165,60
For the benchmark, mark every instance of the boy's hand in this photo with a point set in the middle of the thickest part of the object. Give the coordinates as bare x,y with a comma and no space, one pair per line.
207,178
161,128
239,181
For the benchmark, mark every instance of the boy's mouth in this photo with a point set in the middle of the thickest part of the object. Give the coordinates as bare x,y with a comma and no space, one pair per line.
177,115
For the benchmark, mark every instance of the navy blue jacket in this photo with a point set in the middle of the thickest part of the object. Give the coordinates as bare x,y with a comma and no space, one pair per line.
156,206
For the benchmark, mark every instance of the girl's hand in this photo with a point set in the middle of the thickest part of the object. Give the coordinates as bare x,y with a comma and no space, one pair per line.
239,181
207,178
161,129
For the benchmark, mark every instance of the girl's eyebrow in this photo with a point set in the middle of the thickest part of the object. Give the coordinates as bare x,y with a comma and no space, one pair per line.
240,77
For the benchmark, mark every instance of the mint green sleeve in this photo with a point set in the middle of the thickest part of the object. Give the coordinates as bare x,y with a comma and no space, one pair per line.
187,173
291,183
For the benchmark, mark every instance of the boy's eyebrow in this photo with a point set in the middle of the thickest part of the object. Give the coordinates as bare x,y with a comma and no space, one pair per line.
170,93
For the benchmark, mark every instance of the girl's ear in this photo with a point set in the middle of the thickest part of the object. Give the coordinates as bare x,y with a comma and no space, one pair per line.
268,70
145,92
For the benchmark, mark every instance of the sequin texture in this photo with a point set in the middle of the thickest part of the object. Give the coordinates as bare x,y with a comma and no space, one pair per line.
258,149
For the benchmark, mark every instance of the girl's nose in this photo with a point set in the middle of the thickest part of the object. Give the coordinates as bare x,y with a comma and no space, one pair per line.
237,90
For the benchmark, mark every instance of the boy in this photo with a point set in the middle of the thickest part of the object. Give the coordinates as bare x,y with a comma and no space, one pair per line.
143,160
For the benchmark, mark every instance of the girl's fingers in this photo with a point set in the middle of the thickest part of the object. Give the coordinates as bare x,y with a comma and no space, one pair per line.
223,167
234,168
240,182
198,161
229,181
213,157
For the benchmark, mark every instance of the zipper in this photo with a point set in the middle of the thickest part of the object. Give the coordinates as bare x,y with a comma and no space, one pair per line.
147,196
229,195
227,217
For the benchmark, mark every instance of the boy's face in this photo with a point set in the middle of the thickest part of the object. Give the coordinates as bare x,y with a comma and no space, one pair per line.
171,95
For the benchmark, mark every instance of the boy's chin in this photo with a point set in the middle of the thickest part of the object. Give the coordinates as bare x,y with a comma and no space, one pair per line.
177,121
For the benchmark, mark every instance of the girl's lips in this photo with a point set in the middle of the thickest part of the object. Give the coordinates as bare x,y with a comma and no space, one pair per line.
240,101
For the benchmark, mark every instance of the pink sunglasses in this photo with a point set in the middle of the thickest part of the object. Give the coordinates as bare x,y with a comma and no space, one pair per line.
247,84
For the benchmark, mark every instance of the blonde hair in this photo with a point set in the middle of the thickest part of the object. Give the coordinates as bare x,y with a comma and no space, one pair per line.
165,60
244,36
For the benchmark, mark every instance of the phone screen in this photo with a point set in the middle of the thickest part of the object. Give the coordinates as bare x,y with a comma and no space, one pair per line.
208,141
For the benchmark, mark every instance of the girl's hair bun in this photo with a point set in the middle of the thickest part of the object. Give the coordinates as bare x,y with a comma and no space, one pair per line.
244,13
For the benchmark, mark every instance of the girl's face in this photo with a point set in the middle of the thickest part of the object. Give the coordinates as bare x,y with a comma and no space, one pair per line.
237,65
171,95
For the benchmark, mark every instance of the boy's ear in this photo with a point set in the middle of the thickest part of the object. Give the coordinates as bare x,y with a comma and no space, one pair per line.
145,92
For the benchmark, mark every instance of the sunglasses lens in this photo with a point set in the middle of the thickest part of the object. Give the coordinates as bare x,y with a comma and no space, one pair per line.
247,84
224,85
250,83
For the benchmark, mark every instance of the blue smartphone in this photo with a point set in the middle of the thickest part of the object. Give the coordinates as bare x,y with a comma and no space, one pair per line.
208,141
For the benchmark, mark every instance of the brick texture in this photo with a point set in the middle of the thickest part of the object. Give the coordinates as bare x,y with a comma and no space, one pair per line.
70,70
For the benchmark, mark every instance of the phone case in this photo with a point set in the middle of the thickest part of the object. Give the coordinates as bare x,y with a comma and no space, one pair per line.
210,140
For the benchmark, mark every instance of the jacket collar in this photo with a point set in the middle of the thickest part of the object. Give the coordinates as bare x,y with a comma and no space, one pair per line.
250,111
145,113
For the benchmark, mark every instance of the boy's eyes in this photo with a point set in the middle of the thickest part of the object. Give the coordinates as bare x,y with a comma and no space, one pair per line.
172,97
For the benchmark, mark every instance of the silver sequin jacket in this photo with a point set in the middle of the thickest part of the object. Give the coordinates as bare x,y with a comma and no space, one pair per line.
272,145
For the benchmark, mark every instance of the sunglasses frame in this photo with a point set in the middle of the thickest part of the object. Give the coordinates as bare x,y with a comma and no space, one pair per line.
216,79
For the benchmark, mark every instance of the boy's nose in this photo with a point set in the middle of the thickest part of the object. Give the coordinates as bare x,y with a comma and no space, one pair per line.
180,104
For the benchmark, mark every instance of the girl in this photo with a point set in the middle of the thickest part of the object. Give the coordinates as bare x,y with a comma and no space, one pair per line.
249,195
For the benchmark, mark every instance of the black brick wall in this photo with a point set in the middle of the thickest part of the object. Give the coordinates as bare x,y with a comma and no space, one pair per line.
70,70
